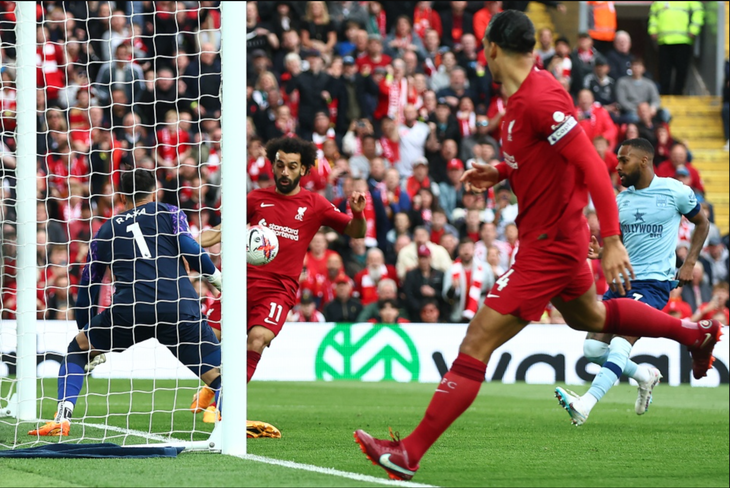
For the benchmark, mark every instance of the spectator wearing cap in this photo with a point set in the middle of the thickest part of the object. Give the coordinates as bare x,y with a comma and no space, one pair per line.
373,57
367,280
422,282
700,290
313,86
307,310
466,283
716,256
344,307
582,59
259,34
413,134
456,22
402,39
317,30
594,119
119,73
678,157
602,86
408,255
452,190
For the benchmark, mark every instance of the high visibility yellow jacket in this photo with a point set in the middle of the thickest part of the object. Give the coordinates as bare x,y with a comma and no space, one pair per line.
673,22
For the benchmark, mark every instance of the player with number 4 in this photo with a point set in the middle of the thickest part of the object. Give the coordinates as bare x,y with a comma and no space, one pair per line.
650,211
552,167
295,215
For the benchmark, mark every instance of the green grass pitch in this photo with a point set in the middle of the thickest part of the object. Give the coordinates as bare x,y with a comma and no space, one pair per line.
513,435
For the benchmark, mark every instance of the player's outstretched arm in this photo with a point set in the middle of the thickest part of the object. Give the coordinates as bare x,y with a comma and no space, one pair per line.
209,237
357,226
482,177
198,259
615,262
702,228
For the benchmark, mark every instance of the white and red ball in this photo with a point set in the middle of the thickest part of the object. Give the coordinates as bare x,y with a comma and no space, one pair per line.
262,245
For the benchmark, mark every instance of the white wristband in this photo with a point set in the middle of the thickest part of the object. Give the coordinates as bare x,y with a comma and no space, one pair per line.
215,279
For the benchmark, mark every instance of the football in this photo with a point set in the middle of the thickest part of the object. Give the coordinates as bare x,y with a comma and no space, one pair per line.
262,245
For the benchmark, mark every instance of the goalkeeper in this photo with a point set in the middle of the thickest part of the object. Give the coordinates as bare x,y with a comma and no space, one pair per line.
153,298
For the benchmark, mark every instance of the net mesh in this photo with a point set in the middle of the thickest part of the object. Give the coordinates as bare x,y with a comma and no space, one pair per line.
118,89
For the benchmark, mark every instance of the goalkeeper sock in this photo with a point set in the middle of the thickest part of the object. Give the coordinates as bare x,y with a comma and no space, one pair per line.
215,385
610,372
457,391
253,358
71,378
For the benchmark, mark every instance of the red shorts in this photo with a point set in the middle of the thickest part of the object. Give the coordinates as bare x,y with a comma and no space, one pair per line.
534,279
265,308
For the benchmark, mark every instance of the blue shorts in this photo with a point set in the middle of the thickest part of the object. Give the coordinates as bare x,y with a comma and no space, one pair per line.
188,338
654,293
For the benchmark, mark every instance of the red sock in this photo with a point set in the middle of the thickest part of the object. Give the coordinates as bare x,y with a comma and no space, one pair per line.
633,318
252,361
213,404
457,391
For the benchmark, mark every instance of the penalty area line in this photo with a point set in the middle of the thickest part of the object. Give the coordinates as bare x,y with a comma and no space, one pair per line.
261,459
330,471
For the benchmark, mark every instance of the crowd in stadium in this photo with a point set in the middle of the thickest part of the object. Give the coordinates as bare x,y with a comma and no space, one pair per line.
397,98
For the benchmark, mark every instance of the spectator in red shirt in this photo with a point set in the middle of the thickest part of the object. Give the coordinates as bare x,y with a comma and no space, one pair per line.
595,120
419,179
172,142
366,281
374,57
676,307
425,18
483,16
677,157
664,144
456,22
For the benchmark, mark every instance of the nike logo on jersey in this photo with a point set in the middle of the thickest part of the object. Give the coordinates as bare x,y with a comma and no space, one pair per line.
270,322
490,295
264,205
385,461
441,391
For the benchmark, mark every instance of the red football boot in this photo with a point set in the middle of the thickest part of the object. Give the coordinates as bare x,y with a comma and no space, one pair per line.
701,352
389,455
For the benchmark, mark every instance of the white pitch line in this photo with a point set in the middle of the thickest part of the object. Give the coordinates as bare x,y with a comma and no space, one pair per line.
331,471
261,459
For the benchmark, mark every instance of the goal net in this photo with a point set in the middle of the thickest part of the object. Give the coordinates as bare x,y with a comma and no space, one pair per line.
117,89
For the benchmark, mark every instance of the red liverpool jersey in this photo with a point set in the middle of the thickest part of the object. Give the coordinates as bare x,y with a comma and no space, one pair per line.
295,220
551,192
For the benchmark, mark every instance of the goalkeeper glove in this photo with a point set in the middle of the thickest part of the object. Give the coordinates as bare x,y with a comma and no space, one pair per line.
215,279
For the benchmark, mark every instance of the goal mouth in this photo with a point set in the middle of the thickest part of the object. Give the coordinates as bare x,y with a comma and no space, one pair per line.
117,92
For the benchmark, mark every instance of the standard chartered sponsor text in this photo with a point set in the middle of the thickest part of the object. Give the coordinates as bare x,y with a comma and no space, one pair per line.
283,231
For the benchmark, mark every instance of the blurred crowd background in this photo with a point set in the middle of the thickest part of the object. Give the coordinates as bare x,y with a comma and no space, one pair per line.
397,98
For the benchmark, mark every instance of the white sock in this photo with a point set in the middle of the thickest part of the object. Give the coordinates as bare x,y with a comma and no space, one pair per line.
65,410
642,373
586,403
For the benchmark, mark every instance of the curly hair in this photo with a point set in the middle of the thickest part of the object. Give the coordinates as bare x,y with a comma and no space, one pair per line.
307,150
